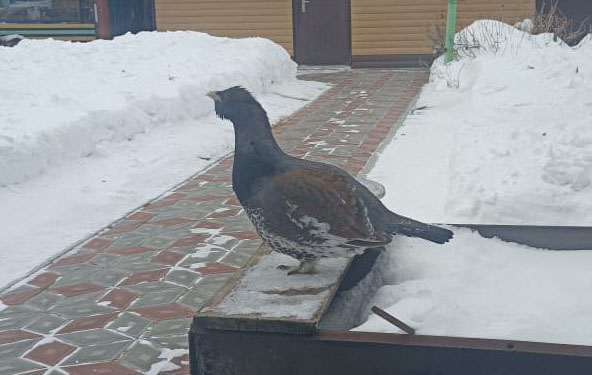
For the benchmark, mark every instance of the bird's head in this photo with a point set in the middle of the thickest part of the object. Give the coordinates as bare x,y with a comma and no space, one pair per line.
235,103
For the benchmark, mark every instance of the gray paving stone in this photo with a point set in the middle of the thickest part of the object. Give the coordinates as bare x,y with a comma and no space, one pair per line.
154,286
130,324
137,258
17,321
157,298
13,311
17,366
109,277
175,327
105,260
237,259
213,255
74,268
16,349
127,241
80,310
141,356
172,342
158,242
81,299
248,246
223,241
46,323
196,297
97,353
186,278
146,230
213,282
92,337
44,301
139,267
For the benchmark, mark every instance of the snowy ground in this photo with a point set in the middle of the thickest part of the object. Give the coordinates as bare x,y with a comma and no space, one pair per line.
477,287
89,131
505,137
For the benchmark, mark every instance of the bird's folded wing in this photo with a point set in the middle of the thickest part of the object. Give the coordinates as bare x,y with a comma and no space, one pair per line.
327,198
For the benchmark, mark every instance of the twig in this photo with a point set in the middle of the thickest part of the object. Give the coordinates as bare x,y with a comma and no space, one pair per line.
391,319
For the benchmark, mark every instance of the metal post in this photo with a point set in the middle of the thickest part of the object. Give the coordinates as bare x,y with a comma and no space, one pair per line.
450,30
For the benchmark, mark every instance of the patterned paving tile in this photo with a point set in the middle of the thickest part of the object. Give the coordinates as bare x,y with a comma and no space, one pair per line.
14,350
92,337
50,353
130,325
97,353
89,322
18,366
46,323
131,290
106,368
16,335
141,356
164,312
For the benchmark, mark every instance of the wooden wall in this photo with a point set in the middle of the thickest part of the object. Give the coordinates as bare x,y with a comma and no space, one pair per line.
394,27
270,19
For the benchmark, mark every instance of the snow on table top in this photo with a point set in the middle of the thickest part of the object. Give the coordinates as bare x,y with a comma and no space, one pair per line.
268,292
505,136
487,288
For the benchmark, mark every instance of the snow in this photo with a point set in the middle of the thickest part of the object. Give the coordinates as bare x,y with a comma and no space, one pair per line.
501,135
477,287
504,137
166,365
90,131
270,292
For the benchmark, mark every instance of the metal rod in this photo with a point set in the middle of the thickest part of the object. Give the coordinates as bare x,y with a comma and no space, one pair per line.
450,30
391,319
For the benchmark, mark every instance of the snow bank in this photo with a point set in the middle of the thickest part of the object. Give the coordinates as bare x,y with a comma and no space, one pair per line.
62,100
477,287
136,109
504,135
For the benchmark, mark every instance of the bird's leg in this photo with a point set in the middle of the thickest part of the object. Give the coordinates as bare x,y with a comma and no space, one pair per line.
306,267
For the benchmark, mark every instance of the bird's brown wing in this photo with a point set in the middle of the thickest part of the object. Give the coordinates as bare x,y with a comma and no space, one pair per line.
329,198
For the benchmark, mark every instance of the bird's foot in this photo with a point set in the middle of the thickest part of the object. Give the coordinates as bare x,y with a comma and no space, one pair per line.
306,267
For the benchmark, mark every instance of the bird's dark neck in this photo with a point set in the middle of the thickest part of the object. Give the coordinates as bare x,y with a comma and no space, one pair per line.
256,153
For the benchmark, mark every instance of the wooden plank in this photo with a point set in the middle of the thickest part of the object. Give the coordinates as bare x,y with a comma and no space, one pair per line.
401,26
270,19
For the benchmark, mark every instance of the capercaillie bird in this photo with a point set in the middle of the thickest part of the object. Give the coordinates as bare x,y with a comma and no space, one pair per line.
305,209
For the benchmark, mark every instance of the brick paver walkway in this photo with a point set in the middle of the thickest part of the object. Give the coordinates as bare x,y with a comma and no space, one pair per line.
113,303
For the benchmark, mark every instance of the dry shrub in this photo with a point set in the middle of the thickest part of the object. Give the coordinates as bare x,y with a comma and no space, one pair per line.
549,19
436,36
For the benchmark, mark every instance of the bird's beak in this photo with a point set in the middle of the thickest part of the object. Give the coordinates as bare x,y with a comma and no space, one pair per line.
213,95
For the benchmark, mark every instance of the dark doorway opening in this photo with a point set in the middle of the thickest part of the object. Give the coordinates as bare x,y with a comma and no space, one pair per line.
322,32
131,16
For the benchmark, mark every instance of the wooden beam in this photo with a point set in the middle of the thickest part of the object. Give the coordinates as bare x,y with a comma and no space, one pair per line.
103,23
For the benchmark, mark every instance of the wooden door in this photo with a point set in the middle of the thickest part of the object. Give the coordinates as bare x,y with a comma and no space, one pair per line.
322,32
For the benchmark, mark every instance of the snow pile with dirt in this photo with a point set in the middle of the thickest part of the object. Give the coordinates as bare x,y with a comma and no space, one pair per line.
90,131
502,135
478,287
